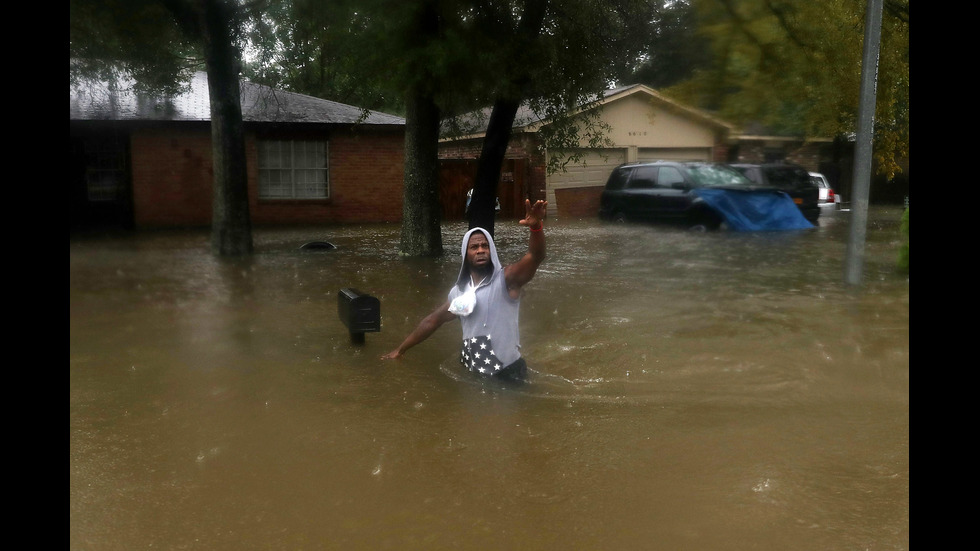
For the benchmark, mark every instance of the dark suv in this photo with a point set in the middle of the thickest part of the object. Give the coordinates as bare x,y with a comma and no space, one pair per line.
793,179
661,192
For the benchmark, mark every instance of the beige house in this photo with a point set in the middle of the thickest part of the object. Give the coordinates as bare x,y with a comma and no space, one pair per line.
641,124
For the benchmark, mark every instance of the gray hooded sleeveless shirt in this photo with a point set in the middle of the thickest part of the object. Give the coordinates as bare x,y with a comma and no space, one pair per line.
491,340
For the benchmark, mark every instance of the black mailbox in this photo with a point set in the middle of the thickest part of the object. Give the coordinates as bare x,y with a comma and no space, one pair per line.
359,312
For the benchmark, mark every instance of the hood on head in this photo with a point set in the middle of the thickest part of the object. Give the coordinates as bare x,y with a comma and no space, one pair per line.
464,272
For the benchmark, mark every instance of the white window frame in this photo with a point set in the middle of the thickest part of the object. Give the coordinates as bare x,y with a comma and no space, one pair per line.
294,169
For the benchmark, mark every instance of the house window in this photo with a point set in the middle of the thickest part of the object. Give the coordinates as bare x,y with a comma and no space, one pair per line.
105,176
293,169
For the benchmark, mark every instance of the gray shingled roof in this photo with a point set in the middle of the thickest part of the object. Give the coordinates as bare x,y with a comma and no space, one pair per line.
96,101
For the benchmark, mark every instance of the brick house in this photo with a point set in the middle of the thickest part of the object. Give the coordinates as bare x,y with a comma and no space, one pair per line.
145,162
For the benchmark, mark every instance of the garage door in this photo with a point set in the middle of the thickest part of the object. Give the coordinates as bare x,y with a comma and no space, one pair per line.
591,171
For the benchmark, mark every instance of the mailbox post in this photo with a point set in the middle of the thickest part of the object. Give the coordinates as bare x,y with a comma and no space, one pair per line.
361,313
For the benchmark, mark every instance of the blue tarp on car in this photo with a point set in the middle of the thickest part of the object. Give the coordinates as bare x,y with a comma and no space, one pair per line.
754,210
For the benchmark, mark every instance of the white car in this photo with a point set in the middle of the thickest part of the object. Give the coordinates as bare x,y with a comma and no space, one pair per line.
827,196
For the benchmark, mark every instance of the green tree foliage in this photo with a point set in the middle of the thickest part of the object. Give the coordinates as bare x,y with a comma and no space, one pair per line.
157,43
110,40
674,50
324,49
795,67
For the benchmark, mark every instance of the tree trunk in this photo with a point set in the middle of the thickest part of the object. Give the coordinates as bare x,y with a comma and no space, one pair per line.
231,228
421,233
502,117
481,213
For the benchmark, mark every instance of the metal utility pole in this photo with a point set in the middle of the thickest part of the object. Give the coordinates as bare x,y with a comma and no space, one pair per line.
854,263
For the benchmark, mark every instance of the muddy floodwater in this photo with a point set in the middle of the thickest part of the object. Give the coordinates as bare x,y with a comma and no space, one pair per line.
686,391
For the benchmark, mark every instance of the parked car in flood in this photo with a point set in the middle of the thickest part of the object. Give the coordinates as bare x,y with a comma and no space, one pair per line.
827,196
661,191
793,179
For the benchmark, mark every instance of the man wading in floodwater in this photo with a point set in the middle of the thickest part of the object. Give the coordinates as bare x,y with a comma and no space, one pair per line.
486,299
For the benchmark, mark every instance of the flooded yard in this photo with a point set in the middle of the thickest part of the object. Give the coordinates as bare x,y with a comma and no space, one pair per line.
686,391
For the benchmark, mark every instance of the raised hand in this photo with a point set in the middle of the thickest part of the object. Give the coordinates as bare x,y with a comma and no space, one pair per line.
534,214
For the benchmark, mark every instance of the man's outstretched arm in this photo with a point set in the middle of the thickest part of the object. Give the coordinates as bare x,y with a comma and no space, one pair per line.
519,273
424,330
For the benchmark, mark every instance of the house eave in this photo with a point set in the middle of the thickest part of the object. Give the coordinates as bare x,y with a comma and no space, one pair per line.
532,126
101,101
778,139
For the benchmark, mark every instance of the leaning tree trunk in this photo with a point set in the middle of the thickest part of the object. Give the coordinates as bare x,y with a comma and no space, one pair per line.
231,229
421,233
481,213
502,119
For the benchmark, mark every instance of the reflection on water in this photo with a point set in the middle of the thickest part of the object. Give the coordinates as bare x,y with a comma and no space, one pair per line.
687,391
